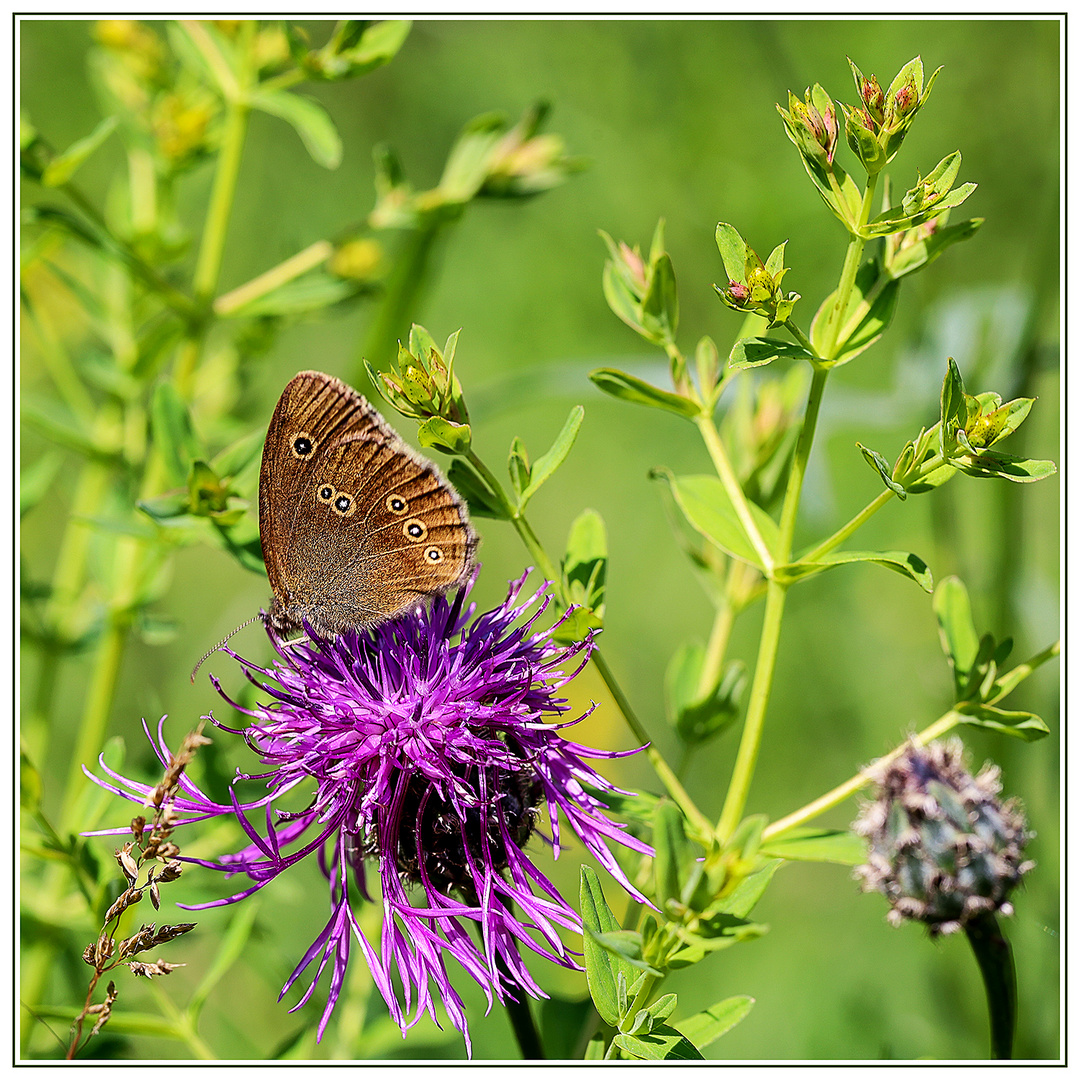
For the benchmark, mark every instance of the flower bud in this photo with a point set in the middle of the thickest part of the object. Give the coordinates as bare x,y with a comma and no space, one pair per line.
873,98
943,848
357,260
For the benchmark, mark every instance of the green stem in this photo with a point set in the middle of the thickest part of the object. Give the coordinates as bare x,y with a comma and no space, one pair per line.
761,688
719,636
734,491
790,510
546,567
185,1029
800,337
852,258
521,1020
845,531
994,957
208,267
312,256
1008,682
939,727
757,707
663,770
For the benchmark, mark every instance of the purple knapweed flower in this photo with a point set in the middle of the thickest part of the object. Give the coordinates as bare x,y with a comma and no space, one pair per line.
428,742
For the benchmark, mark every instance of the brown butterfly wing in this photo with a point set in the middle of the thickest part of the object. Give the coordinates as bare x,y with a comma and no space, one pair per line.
355,526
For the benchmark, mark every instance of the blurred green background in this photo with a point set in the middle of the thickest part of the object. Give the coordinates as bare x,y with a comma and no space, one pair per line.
677,120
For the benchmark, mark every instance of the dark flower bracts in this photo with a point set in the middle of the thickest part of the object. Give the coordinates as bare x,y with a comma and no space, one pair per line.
943,848
429,747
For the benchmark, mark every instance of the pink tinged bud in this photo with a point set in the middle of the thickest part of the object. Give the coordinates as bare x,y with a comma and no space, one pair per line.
906,98
873,97
634,263
737,291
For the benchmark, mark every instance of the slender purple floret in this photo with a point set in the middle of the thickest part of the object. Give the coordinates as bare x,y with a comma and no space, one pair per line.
429,743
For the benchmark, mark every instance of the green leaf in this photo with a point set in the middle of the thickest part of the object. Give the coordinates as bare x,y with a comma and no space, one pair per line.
700,713
895,220
601,966
918,253
584,569
474,489
235,458
629,388
314,291
884,470
595,1050
809,844
445,435
174,437
1006,467
733,251
35,480
707,1026
707,507
378,45
547,463
757,351
161,508
661,302
309,118
62,167
902,562
675,855
959,638
618,294
719,932
663,1043
518,467
744,897
1021,725
469,161
868,313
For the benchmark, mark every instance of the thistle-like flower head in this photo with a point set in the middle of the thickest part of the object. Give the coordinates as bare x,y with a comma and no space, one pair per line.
427,750
943,847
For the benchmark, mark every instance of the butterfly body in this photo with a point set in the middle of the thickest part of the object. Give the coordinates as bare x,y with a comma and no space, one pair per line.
356,527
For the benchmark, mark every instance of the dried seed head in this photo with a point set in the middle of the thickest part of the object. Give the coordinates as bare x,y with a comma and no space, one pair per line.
170,871
148,971
103,949
167,933
104,1010
943,847
144,939
128,865
122,903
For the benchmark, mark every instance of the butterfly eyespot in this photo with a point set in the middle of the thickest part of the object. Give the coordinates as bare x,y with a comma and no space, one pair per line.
433,554
302,445
396,504
325,493
343,504
414,529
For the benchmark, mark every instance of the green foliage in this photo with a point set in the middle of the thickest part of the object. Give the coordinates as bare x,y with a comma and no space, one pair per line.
145,393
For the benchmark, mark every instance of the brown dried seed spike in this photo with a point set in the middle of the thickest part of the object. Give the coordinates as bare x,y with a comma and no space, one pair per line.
127,864
122,903
167,933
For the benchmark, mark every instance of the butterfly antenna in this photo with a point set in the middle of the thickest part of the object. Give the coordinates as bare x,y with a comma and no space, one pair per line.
195,670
